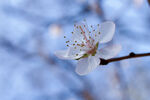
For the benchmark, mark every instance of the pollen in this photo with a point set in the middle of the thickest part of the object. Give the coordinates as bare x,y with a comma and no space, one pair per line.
77,54
75,41
67,41
78,44
64,36
67,45
99,32
72,32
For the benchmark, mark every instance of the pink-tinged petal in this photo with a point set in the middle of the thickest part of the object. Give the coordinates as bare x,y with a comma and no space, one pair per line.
107,30
109,51
87,65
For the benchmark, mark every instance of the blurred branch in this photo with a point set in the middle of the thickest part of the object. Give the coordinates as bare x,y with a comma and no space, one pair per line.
15,49
148,2
131,55
120,77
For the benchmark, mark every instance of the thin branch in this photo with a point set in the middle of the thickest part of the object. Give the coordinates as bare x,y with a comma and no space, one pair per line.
131,55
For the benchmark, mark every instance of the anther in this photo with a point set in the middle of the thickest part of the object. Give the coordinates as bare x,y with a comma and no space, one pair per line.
78,44
67,41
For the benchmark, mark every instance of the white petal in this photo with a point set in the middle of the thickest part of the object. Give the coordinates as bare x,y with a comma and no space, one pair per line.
107,30
86,65
109,51
63,54
71,53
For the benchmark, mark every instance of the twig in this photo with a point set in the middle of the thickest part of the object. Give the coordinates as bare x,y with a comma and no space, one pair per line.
131,55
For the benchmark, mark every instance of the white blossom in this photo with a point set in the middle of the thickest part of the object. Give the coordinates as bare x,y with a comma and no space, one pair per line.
84,43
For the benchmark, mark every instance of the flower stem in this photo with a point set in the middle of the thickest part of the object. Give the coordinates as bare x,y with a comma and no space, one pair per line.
131,55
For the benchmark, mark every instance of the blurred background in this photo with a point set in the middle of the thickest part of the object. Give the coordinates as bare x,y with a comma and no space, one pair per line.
32,30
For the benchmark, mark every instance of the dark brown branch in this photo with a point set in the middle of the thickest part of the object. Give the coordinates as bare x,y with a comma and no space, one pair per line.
131,55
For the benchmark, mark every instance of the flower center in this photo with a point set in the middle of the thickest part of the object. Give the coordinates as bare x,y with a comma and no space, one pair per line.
90,52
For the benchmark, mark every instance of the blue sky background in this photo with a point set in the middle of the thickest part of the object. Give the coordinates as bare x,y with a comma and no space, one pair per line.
32,30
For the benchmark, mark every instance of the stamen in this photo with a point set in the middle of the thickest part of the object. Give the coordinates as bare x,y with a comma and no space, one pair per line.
67,41
88,42
78,44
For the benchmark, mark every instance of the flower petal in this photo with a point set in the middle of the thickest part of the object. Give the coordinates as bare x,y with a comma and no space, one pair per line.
86,65
71,53
109,51
107,30
63,54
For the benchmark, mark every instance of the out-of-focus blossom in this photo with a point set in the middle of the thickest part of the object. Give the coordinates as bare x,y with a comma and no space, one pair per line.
84,46
138,3
55,30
